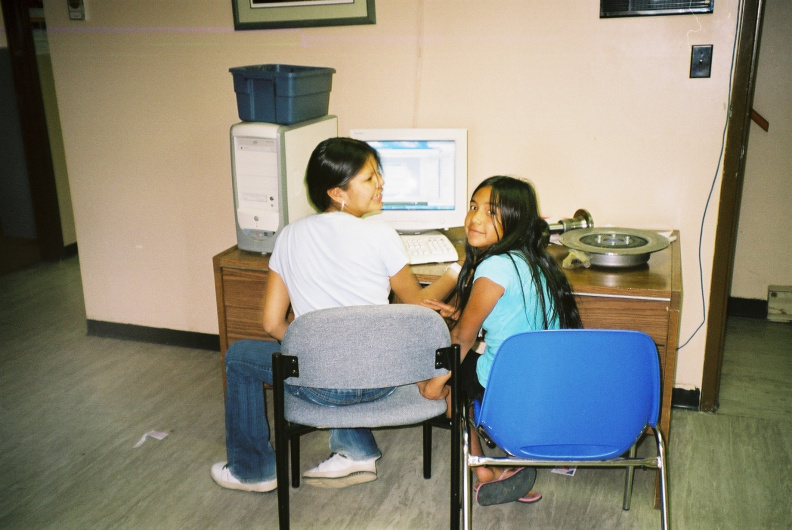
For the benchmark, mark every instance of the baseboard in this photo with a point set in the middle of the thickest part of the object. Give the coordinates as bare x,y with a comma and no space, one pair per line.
747,307
686,399
169,337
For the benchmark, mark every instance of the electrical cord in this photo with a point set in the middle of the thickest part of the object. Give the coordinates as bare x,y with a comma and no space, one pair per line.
712,186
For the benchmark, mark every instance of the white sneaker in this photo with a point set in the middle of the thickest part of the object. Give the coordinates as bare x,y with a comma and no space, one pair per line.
222,475
339,472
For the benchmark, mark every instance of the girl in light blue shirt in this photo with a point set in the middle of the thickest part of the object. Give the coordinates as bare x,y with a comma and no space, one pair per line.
508,284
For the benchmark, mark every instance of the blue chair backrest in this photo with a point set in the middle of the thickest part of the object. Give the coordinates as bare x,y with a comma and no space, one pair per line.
571,394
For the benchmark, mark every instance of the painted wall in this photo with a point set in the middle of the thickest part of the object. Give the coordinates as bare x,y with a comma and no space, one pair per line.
600,114
763,256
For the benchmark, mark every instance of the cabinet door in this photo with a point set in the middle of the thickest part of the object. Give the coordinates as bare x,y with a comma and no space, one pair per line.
649,316
243,292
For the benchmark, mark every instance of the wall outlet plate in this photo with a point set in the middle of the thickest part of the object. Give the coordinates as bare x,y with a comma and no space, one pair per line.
76,9
701,61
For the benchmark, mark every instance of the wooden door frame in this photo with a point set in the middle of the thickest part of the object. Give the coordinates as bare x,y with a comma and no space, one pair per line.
742,92
33,122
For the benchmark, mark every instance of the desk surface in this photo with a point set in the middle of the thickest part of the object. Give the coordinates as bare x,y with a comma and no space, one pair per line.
660,278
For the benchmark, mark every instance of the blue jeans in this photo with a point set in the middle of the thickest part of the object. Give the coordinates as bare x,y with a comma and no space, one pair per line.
251,458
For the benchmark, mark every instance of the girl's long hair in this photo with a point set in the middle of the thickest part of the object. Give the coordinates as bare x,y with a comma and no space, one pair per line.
514,202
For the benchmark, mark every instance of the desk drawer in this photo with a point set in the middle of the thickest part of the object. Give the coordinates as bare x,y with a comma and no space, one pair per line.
243,295
244,288
649,316
244,324
244,303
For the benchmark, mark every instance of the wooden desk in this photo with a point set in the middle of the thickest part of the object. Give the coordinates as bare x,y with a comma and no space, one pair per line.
647,298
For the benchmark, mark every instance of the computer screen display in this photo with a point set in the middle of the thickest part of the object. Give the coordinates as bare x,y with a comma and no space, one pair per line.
425,172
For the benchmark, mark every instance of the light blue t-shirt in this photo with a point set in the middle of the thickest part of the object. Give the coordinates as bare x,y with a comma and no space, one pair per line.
518,310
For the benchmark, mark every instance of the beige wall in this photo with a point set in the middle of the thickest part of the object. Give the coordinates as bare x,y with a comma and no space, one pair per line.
764,255
600,114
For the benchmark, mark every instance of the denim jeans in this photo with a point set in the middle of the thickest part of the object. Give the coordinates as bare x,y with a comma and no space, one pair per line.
251,458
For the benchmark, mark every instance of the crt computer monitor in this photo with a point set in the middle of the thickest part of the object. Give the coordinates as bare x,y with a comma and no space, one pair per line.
425,172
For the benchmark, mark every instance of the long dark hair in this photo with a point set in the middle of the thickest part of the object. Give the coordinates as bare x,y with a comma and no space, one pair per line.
514,202
333,163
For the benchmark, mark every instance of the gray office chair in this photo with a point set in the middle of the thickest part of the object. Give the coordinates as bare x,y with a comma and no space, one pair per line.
361,347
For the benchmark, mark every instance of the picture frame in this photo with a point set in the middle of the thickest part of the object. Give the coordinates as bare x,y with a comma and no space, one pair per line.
276,14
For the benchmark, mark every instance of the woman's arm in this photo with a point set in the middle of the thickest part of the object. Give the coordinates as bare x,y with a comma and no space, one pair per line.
409,291
276,306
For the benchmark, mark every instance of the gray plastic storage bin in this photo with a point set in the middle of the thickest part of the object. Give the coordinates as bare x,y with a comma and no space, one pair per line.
282,93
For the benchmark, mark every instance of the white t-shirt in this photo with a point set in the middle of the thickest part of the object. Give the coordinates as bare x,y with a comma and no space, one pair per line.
336,260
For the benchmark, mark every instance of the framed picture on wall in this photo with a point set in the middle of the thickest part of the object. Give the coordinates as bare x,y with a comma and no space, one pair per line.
272,14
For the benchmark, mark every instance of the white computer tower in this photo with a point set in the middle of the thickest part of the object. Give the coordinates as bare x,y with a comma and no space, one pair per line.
268,169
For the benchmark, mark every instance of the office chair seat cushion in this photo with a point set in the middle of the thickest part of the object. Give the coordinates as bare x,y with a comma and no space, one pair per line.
404,406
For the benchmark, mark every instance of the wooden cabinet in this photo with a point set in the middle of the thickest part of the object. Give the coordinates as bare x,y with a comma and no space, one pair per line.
240,284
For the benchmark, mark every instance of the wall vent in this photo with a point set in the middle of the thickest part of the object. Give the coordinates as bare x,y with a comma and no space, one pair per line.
638,8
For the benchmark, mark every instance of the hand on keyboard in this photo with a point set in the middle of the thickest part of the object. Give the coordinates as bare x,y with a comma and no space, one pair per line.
429,247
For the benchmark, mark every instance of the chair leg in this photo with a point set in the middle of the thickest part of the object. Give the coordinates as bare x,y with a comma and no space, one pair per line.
628,480
455,474
456,441
427,449
281,443
467,501
295,460
661,456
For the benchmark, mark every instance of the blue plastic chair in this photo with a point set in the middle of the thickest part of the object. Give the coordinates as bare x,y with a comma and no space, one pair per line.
574,397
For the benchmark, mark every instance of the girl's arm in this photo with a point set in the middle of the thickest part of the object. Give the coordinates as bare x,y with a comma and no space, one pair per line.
409,291
276,306
483,297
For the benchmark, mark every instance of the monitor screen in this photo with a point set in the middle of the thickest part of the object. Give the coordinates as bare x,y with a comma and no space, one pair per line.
425,172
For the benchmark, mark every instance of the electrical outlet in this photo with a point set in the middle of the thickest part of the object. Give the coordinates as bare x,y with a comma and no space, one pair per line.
76,9
701,61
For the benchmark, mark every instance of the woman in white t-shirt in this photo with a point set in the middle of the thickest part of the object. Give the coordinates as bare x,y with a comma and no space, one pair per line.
332,259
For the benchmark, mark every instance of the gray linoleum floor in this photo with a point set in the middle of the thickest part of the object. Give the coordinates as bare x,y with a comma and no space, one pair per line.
74,406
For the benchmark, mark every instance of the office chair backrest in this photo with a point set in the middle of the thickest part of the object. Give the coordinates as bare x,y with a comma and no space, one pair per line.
574,393
371,346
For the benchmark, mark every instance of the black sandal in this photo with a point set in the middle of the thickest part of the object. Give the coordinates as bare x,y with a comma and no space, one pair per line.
509,489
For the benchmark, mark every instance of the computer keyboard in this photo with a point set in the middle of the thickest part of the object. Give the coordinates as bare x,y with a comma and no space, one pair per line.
429,247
